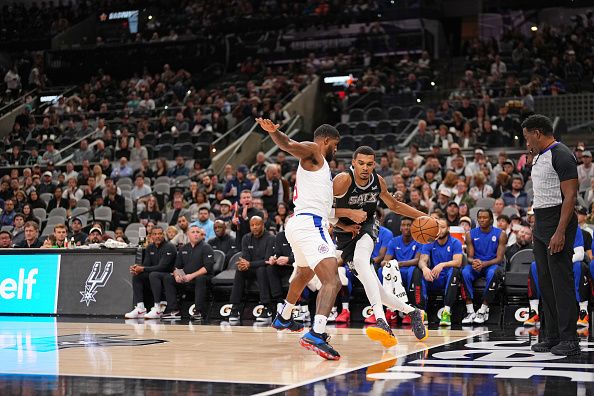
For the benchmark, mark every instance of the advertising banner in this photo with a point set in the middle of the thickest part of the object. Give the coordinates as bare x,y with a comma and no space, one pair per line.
29,283
95,284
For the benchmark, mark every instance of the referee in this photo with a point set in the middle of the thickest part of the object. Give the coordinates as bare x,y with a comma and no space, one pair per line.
555,184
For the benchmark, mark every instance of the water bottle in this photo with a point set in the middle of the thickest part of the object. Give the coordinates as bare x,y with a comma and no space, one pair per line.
141,236
72,244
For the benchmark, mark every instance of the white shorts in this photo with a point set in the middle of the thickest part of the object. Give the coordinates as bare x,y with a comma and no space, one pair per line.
309,239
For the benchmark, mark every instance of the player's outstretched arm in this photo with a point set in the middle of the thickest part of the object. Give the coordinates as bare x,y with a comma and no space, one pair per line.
395,206
300,150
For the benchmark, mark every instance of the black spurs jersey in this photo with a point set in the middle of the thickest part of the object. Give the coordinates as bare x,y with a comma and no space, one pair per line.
363,198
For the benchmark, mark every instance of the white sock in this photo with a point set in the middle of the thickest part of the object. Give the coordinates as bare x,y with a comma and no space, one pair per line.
484,308
287,310
319,325
446,309
157,306
584,306
470,308
393,302
345,306
304,308
140,305
534,305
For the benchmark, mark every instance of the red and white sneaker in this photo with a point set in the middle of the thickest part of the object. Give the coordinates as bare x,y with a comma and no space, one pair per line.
136,313
371,320
344,317
406,320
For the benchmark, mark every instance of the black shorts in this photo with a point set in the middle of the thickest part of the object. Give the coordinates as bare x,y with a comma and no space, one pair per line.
346,243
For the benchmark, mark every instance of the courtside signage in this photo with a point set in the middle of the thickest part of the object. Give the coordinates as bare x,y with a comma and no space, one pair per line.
29,283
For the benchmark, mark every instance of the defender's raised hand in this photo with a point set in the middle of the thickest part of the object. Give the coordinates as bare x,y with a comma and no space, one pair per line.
267,125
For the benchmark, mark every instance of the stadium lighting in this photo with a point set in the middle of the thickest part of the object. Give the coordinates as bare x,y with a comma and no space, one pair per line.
534,28
166,107
150,17
214,150
432,83
418,100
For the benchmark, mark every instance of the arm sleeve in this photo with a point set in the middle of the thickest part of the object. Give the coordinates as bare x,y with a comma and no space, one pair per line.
255,188
208,260
564,163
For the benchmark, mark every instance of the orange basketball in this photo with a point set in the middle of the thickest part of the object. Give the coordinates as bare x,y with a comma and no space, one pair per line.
424,229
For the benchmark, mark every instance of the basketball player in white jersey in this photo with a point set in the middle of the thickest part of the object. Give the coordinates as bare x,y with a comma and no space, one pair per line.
307,232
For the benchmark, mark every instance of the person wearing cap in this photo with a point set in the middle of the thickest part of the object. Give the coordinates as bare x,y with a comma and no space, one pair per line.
466,223
47,185
582,215
586,169
442,199
453,214
226,215
454,152
237,184
479,160
579,152
95,236
76,232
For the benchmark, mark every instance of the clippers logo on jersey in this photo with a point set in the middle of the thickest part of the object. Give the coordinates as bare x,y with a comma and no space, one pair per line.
95,281
323,249
362,199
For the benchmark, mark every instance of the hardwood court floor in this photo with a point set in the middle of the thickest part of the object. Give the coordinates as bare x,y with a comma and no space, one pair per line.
206,353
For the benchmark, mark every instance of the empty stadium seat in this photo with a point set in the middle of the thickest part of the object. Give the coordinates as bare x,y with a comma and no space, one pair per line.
396,113
362,128
356,115
383,127
375,114
516,277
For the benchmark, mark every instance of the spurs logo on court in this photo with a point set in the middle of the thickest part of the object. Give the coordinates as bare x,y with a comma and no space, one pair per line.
87,340
96,279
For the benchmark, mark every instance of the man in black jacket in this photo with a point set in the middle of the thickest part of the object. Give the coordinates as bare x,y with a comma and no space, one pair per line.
223,241
243,214
32,240
280,266
254,247
193,267
117,203
159,258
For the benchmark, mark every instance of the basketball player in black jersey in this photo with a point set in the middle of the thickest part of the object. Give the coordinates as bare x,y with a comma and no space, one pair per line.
360,187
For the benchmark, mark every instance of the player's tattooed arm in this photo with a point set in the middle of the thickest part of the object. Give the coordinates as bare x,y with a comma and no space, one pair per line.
396,206
301,150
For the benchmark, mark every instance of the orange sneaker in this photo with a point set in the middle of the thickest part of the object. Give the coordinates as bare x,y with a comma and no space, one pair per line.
344,317
371,320
583,319
533,319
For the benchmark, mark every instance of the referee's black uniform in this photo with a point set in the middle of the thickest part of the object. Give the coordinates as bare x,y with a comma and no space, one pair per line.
552,166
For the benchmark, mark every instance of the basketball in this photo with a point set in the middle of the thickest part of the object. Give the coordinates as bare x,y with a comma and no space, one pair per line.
424,229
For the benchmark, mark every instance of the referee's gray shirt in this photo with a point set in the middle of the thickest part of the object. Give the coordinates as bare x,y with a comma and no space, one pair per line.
549,168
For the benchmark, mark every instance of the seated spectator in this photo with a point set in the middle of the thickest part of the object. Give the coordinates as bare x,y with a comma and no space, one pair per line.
18,231
504,224
178,210
193,267
423,139
280,219
269,188
517,197
179,169
279,266
51,154
480,189
523,241
124,170
182,236
461,195
255,246
485,246
117,204
47,185
439,270
159,259
92,191
5,240
140,192
58,238
31,240
259,168
171,233
151,212
225,213
384,169
238,184
8,214
83,153
223,241
453,214
138,153
242,215
95,236
77,232
205,223
72,191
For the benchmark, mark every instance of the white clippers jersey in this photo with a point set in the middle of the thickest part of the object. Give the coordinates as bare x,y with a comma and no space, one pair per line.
313,191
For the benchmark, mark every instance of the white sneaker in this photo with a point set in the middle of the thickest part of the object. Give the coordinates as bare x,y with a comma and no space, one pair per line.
481,317
333,315
155,313
162,306
136,313
304,316
469,319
